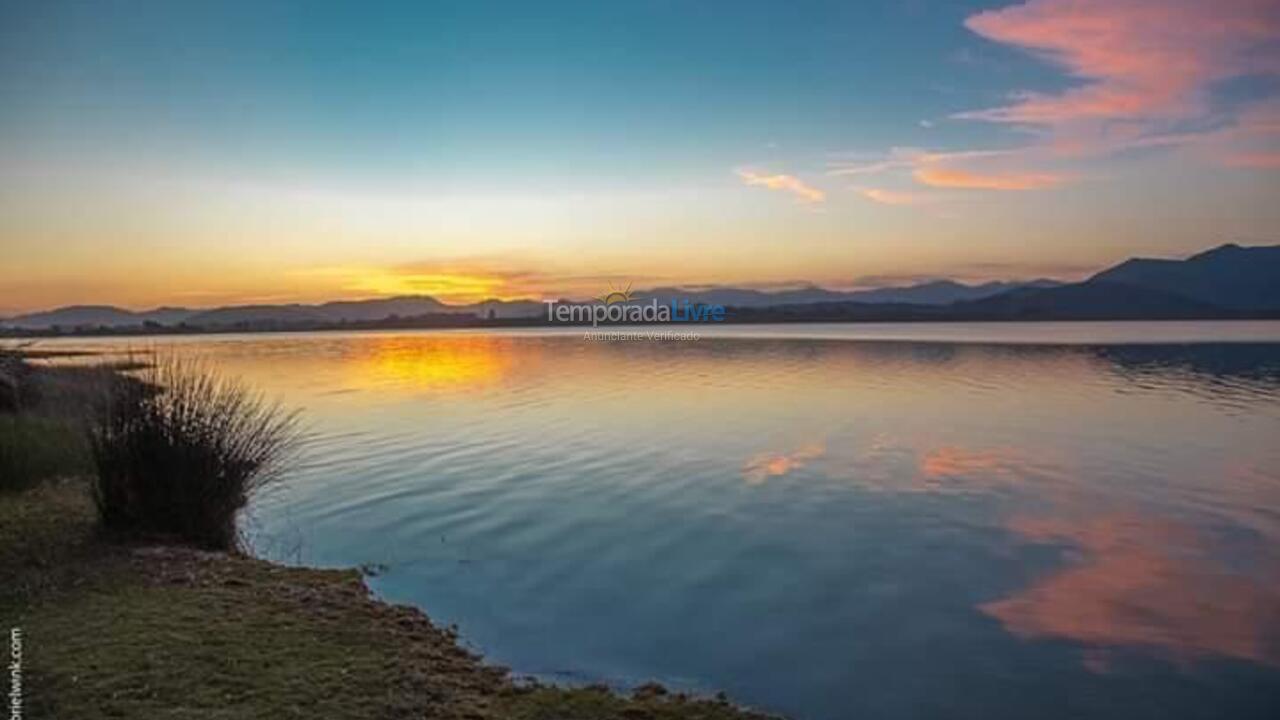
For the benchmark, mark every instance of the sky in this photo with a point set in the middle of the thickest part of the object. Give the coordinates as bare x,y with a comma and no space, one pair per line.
200,154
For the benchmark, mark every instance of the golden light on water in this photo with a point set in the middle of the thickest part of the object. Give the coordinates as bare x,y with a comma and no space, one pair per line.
432,363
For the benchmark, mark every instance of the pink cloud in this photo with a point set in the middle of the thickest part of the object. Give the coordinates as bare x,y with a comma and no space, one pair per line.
970,169
891,197
784,183
949,177
1258,160
1145,72
1138,59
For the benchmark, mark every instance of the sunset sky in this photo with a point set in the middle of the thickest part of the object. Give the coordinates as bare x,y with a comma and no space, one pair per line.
202,154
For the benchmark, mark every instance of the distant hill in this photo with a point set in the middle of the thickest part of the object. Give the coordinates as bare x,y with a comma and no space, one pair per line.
1225,282
935,292
166,315
341,311
257,314
1090,300
76,315
357,311
944,292
98,315
1229,276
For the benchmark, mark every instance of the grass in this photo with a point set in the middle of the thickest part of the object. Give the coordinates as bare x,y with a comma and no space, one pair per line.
40,434
117,630
35,447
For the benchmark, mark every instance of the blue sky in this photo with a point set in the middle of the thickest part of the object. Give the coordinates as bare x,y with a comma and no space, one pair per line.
339,142
483,88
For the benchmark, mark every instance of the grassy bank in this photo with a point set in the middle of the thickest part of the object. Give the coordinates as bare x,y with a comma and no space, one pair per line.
132,629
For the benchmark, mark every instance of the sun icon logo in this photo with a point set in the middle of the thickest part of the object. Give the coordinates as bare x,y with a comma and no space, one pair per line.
616,296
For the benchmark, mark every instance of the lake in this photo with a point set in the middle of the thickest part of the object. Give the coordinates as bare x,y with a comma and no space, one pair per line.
897,521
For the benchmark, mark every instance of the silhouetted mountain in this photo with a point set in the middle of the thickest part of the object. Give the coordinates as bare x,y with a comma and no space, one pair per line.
943,292
506,309
74,316
936,292
355,311
1228,281
1229,276
1090,300
358,311
727,296
257,314
166,315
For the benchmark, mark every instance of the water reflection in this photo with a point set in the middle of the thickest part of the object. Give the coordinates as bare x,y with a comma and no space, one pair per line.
776,464
823,527
958,469
1151,584
426,363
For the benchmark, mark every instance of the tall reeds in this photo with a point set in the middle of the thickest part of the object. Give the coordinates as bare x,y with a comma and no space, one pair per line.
179,449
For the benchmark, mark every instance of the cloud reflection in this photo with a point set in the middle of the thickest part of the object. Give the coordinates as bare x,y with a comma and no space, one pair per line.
1144,583
763,466
890,465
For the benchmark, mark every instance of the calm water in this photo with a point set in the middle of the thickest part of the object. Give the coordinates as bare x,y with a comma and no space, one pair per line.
817,522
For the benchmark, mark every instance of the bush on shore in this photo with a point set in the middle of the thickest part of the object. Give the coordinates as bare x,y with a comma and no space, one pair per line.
179,451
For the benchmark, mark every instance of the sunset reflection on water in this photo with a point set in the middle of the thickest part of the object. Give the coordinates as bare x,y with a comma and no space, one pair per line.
813,525
425,363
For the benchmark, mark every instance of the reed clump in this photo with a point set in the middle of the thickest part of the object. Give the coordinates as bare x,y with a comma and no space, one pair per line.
179,450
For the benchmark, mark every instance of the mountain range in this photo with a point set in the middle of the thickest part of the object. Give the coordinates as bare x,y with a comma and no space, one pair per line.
940,292
1227,281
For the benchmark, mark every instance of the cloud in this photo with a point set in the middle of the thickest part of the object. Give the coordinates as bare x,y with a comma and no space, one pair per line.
1144,67
1252,142
1145,76
891,197
1256,160
464,280
897,157
938,176
784,183
968,170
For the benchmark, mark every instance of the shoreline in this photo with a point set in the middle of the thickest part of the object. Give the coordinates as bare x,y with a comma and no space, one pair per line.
116,629
36,335
147,627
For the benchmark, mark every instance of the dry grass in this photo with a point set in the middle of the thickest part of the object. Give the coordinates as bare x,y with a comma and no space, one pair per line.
179,453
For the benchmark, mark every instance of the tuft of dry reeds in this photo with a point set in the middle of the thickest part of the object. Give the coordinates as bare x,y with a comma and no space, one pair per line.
180,449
